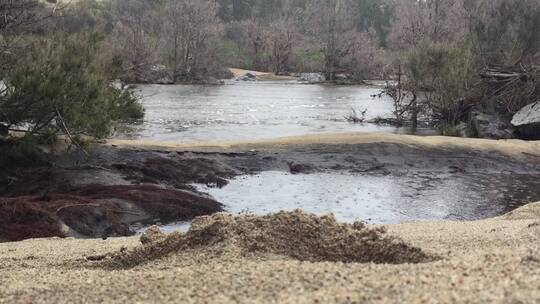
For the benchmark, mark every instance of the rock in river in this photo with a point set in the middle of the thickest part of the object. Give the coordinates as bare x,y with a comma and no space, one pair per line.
247,77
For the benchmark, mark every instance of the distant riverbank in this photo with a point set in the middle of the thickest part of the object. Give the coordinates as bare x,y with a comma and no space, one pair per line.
511,147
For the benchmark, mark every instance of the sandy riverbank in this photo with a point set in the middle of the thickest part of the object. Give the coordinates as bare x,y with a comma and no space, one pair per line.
495,260
515,148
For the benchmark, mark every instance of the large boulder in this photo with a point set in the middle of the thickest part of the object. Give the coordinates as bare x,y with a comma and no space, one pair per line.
527,121
528,115
247,77
491,126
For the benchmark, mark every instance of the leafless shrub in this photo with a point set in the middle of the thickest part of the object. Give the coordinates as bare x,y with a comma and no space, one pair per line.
356,116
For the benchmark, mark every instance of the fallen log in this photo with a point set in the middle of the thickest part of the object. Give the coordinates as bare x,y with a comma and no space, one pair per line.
505,74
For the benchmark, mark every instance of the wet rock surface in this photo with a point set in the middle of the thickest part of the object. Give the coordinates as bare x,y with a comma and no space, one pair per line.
491,126
104,193
247,77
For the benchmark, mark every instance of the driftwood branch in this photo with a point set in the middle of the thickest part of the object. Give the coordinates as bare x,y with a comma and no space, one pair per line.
68,134
505,74
513,86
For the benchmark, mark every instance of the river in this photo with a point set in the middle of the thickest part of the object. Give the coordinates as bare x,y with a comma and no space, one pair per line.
250,111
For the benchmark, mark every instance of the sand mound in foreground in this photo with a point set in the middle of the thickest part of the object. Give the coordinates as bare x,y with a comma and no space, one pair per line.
294,235
527,212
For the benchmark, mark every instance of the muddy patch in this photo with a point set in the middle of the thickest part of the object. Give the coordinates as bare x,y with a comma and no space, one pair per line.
293,235
176,171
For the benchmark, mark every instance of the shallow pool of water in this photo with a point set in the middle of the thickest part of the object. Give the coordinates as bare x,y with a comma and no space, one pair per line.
248,111
376,199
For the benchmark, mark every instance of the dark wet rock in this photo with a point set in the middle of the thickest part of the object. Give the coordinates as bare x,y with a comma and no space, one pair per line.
115,230
457,169
116,187
97,211
375,168
247,77
26,181
102,197
527,121
176,172
295,168
22,218
491,126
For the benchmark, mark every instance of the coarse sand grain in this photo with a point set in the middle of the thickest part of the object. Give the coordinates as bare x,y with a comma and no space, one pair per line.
296,235
489,261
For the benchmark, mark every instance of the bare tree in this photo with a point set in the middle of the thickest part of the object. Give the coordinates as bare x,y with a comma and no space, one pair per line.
428,21
18,18
254,41
191,26
404,98
331,23
281,39
136,38
15,17
16,13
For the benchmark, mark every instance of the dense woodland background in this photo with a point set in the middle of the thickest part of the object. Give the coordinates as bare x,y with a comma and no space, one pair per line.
449,59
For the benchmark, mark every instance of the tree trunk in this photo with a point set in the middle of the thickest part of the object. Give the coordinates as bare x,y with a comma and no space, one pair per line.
175,70
414,113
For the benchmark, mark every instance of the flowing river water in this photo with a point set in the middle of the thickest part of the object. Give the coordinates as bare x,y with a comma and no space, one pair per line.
249,111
